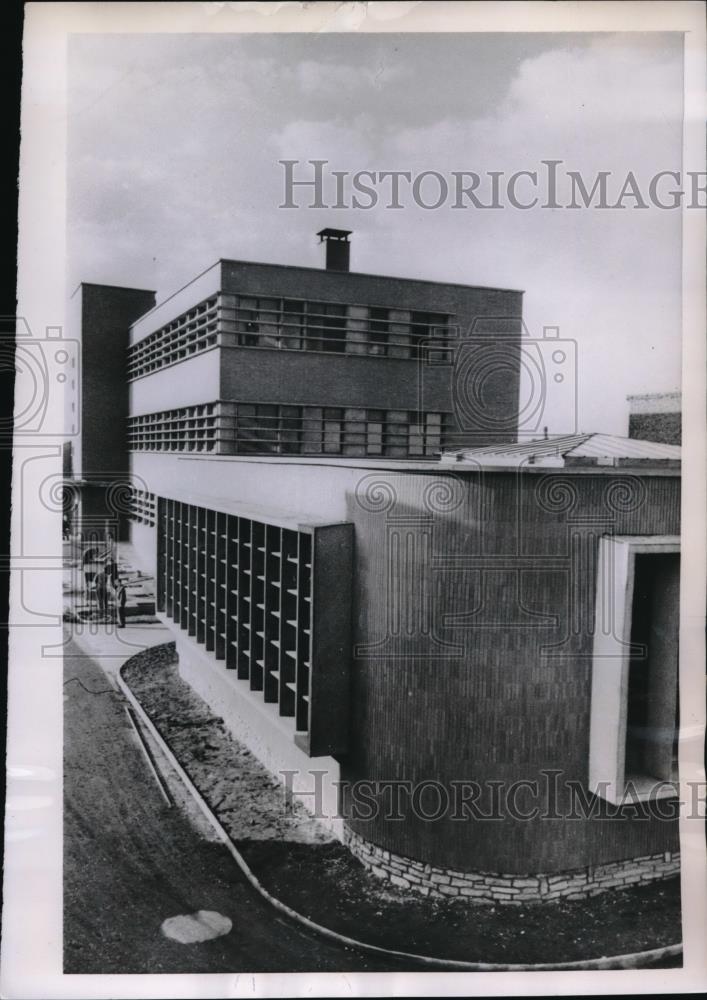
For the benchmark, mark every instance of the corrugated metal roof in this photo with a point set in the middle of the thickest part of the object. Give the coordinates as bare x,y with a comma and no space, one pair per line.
569,450
558,445
607,445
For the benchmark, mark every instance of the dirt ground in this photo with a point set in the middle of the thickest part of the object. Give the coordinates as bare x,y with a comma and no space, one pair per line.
365,908
302,865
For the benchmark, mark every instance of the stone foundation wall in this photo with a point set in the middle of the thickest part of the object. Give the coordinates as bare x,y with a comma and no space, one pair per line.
498,888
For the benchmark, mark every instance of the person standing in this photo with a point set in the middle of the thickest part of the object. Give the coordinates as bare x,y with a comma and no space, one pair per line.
92,565
118,595
100,583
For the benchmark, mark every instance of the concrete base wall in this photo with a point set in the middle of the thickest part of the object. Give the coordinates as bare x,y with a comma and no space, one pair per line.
493,887
266,734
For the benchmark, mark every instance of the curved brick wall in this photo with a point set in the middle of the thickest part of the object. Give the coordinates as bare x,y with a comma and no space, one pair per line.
498,888
478,672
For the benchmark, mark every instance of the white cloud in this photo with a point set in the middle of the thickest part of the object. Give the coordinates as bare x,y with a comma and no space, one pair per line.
344,79
175,140
611,81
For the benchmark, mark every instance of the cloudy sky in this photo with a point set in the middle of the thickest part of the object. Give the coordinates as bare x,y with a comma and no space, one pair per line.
174,142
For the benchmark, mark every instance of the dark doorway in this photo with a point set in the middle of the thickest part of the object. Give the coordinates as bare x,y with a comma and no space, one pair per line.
653,704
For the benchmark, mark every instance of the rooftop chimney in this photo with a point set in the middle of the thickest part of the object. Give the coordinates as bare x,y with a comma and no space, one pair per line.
338,248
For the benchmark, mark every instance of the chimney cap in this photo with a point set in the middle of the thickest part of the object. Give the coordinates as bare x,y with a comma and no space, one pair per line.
334,234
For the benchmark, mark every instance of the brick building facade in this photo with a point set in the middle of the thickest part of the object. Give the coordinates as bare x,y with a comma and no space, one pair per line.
365,583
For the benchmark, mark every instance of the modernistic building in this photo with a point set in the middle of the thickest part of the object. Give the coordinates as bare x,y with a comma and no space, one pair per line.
472,642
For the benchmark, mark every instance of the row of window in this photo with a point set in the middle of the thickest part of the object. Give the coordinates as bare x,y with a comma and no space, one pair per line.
142,507
287,324
188,334
293,324
244,590
192,428
247,428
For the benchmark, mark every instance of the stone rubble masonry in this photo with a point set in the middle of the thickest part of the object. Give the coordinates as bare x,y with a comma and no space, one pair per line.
493,887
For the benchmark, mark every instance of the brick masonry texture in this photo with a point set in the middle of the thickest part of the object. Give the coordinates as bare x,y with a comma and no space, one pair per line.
493,887
427,702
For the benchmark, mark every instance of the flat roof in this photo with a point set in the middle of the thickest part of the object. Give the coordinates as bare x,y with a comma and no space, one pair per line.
367,274
444,465
120,288
568,451
323,270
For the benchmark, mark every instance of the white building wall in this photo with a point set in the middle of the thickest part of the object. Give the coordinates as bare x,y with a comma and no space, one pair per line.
291,489
198,382
267,735
202,287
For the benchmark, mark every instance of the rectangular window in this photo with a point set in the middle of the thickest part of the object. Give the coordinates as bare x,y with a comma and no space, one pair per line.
230,428
285,324
247,322
417,439
396,441
374,432
290,430
292,328
269,323
354,432
332,430
378,327
312,430
326,327
634,707
433,433
357,332
426,325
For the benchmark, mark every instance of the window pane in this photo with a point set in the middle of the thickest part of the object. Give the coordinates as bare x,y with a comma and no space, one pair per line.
375,438
332,436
